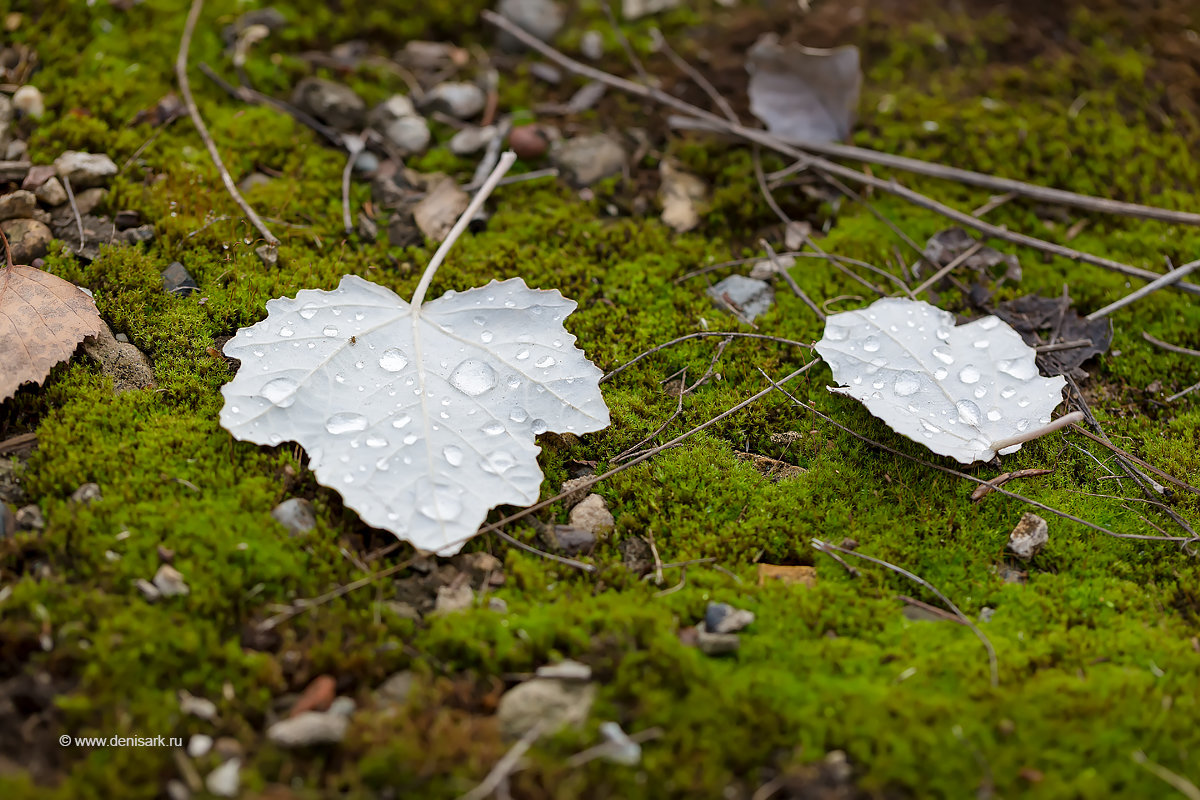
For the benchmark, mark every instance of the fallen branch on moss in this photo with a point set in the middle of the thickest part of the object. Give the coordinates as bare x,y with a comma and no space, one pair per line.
699,119
826,547
185,89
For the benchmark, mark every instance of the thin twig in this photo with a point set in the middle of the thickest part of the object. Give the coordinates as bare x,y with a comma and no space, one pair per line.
185,89
528,548
595,479
921,604
825,547
712,366
1185,392
1147,484
247,94
698,335
1037,433
966,476
1010,188
627,452
946,270
74,209
347,216
1175,780
1071,345
832,257
505,766
808,240
1126,454
600,750
983,490
708,120
460,225
1174,276
791,282
994,202
625,45
1174,348
696,75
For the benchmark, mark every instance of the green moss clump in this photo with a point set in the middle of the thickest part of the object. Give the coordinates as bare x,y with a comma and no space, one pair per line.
1096,651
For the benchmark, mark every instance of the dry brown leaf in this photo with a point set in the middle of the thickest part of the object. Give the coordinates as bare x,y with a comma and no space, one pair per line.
42,320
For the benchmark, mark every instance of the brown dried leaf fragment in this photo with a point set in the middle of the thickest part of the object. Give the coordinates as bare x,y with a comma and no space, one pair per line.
42,320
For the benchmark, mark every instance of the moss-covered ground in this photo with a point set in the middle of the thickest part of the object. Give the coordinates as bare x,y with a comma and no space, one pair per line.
1097,651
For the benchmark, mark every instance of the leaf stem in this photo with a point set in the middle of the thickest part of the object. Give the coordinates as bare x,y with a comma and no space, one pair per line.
506,161
1029,436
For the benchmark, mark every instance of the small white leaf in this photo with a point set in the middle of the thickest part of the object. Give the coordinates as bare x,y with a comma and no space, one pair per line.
423,419
961,391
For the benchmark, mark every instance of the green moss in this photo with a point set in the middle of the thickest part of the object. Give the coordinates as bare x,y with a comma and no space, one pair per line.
1095,652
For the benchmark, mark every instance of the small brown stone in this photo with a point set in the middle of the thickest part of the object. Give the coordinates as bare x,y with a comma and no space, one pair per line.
18,205
529,142
317,696
28,239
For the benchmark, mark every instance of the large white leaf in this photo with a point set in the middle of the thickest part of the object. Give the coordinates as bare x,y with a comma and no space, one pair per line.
421,419
959,390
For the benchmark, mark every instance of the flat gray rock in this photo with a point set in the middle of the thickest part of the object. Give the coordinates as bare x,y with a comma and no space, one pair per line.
748,297
308,729
587,159
85,170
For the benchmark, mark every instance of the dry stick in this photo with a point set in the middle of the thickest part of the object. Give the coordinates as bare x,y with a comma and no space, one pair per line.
625,45
973,479
994,202
983,491
696,75
710,120
787,276
698,335
1174,348
825,547
841,187
74,208
1186,391
808,240
1071,345
505,766
592,753
922,201
354,150
1126,454
186,90
961,258
993,183
629,451
1147,484
799,254
1176,781
248,94
1037,433
921,604
1174,276
712,366
595,479
333,594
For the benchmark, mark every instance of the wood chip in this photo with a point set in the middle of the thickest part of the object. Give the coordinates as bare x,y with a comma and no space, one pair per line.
806,576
